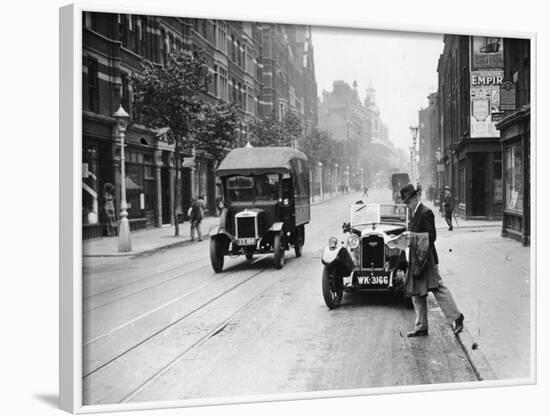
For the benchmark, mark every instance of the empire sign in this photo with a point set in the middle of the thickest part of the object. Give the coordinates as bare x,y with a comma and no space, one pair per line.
480,80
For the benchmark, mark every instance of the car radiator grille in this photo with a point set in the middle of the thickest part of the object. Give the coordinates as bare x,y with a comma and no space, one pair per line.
246,227
372,251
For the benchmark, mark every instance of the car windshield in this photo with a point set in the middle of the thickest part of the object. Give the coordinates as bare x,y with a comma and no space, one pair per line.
370,213
253,187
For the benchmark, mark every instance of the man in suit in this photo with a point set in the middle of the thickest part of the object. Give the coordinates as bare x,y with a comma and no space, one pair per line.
428,279
448,207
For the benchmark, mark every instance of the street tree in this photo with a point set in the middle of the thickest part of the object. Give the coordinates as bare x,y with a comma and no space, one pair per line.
216,132
270,131
171,96
319,146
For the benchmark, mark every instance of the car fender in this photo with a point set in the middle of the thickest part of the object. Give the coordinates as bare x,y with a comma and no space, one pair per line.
219,230
276,227
339,258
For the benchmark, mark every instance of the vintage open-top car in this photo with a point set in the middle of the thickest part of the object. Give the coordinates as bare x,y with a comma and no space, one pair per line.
266,204
367,259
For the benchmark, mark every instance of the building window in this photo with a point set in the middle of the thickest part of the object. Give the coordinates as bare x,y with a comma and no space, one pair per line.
233,48
249,100
223,92
92,87
163,47
249,63
514,178
221,36
281,111
123,29
214,82
90,20
239,54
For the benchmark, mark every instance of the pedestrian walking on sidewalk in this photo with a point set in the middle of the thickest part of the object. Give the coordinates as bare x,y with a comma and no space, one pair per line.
196,214
424,277
448,207
365,192
109,213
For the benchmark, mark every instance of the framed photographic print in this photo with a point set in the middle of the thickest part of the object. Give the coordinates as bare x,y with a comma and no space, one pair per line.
259,210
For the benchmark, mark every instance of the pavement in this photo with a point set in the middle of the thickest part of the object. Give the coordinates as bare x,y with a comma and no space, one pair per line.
490,279
158,238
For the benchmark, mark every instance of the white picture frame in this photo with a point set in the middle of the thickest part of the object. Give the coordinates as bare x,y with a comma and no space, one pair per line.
70,210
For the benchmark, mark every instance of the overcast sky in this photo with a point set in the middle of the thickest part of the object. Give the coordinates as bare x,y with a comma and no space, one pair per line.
401,65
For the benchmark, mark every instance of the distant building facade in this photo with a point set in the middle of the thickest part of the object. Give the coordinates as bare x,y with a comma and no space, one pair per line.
114,46
428,144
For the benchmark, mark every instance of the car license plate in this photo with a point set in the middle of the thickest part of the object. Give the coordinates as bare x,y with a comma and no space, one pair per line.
246,241
374,280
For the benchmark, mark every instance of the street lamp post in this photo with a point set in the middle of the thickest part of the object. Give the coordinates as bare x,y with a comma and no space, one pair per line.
336,177
347,179
321,180
362,183
411,150
124,242
414,134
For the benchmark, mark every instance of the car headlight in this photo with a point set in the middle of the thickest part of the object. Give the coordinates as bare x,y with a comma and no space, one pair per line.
333,242
353,241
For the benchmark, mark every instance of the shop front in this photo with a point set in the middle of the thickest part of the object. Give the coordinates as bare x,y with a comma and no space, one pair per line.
477,180
515,139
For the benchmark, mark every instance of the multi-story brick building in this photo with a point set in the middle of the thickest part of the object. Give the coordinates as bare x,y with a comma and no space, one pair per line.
114,46
515,137
470,74
288,74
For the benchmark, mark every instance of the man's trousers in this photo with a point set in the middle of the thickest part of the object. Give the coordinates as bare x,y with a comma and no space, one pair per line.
445,301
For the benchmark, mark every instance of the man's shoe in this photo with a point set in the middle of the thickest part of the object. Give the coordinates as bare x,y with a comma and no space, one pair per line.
418,333
459,324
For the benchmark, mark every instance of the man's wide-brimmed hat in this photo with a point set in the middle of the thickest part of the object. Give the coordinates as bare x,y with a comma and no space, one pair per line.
448,188
407,192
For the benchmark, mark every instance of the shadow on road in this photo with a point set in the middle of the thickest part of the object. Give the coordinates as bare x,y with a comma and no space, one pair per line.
358,299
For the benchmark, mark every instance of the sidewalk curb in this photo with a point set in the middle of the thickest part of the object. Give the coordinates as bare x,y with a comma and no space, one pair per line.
143,252
475,357
174,244
469,227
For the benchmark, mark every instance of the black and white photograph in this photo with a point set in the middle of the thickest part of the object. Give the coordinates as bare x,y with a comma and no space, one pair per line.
273,208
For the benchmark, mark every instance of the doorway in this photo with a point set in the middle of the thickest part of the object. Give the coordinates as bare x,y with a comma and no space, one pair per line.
478,184
165,191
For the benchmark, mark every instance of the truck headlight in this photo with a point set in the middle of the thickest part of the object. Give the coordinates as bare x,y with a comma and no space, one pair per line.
353,241
333,242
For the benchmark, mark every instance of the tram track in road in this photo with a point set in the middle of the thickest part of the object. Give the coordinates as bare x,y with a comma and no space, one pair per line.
156,351
122,348
140,279
146,288
219,328
173,323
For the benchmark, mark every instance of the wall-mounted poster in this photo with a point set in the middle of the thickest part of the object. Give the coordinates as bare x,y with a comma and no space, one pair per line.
485,96
487,52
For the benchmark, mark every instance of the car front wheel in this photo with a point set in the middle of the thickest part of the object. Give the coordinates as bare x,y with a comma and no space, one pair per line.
300,237
332,287
278,251
216,254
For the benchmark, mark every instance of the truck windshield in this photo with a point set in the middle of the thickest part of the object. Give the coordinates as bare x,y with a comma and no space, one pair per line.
252,188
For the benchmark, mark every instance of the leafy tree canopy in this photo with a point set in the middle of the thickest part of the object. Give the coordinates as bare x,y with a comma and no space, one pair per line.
170,95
